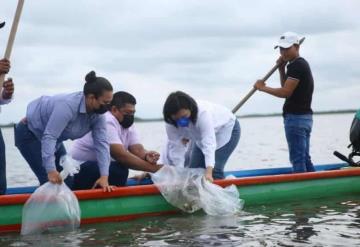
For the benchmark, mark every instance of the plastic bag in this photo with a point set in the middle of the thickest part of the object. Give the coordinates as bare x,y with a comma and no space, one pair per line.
186,188
52,207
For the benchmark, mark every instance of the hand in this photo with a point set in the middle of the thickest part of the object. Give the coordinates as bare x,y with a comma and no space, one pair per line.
259,85
141,176
208,174
152,157
8,89
103,182
54,177
4,66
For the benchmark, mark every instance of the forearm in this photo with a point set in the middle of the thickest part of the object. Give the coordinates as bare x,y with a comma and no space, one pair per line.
135,163
138,150
278,92
48,147
282,76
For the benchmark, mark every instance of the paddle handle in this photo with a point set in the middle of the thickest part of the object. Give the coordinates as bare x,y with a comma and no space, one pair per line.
253,90
11,39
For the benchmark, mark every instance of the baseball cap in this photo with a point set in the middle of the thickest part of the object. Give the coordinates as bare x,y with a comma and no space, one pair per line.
2,24
288,39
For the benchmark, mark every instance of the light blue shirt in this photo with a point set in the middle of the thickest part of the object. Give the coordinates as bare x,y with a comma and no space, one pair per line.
54,119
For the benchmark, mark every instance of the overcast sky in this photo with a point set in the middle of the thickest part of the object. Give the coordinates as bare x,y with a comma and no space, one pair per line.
213,50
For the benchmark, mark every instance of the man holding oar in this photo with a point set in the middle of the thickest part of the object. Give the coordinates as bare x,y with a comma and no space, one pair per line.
6,93
297,86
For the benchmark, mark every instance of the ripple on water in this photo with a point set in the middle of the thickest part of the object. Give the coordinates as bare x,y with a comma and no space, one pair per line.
315,223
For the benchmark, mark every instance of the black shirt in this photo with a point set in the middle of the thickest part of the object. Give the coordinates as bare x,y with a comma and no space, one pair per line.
300,100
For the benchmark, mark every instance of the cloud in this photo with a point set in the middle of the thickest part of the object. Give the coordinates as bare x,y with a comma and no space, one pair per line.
214,50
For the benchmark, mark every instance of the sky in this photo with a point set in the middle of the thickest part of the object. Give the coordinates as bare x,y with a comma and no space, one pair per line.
213,50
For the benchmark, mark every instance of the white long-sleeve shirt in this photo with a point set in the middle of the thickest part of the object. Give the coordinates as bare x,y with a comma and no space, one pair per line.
211,131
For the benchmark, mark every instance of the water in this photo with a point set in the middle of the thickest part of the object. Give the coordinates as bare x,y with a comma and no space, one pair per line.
262,144
312,223
333,222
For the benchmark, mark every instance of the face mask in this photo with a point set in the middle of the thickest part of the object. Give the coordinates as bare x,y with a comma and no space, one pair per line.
183,122
101,110
127,121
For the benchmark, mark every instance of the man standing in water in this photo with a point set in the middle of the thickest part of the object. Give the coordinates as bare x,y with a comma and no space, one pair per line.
5,97
297,86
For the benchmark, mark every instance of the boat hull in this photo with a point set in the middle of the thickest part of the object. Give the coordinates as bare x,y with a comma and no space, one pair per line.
145,200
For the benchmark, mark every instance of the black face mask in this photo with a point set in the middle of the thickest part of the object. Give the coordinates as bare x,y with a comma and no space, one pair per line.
102,109
127,121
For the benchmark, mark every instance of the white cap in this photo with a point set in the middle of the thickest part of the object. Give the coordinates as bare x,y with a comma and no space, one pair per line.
288,39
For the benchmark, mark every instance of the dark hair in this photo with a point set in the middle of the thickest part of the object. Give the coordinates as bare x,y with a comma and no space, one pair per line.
121,98
175,102
96,85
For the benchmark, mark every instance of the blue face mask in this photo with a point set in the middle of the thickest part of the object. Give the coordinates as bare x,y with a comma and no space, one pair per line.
183,122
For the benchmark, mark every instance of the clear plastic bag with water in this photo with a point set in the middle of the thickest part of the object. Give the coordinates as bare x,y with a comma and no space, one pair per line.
188,190
52,207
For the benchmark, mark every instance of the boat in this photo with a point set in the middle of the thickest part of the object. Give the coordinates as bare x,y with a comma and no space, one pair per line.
256,187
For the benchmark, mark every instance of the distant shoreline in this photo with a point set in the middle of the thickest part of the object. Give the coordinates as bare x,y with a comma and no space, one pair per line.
144,120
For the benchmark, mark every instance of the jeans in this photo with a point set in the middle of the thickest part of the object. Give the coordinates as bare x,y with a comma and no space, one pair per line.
222,154
2,166
89,173
30,148
297,130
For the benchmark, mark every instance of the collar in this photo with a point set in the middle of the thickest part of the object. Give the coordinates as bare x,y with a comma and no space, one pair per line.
290,62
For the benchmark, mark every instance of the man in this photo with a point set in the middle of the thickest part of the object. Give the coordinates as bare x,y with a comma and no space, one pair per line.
125,147
6,94
297,86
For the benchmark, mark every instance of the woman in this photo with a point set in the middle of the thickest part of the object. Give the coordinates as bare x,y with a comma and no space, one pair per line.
50,120
212,130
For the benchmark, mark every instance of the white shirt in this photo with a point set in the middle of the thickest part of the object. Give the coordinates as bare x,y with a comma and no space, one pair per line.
211,131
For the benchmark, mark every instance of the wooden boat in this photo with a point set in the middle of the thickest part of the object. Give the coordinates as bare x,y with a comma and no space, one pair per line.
256,187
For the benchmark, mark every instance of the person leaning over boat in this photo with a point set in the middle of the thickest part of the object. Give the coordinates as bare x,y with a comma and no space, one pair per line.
212,131
125,147
50,120
297,86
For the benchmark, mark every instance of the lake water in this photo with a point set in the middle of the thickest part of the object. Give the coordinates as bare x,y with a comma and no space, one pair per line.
262,145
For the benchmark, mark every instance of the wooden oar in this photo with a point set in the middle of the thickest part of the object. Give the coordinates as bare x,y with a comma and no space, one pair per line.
253,90
12,35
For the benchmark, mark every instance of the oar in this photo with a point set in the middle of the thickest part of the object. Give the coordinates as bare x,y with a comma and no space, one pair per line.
253,90
12,35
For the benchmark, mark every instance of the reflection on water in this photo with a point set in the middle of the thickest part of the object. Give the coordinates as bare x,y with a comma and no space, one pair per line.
314,223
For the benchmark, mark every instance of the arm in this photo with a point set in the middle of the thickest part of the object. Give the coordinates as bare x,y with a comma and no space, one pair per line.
281,63
208,143
101,145
57,122
283,92
131,160
176,149
139,151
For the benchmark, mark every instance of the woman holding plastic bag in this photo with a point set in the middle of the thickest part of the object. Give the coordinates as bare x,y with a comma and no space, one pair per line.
209,132
50,120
